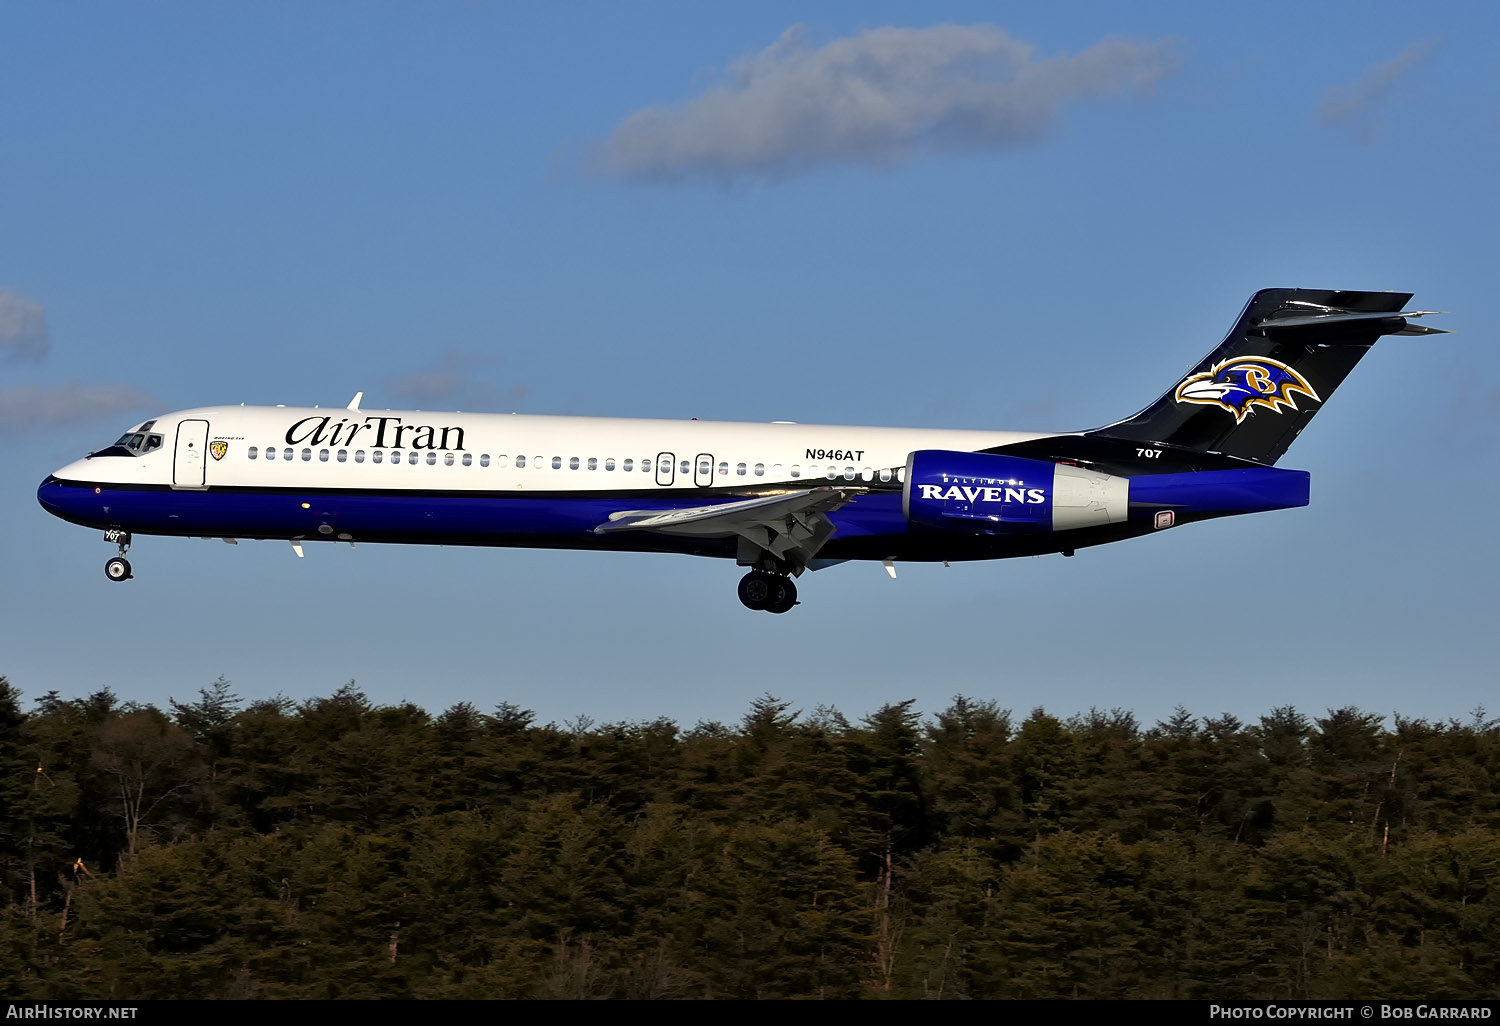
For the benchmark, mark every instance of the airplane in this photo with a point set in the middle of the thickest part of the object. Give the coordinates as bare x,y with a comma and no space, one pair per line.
779,498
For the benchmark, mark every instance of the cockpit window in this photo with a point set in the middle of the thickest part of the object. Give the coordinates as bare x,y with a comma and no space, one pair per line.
133,443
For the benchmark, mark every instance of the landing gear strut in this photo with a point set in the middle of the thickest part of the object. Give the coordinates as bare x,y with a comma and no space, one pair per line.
774,593
118,568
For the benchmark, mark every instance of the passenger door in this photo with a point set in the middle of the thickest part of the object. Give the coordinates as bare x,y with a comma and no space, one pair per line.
192,451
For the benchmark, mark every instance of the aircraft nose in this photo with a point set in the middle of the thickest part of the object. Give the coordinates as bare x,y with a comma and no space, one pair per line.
47,495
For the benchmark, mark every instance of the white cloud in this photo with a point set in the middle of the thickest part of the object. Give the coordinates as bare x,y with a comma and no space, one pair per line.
874,98
23,328
30,407
1358,102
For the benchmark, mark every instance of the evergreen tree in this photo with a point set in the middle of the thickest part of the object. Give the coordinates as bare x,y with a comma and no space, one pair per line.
968,761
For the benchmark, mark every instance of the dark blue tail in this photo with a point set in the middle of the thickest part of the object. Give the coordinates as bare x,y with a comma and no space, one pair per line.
1283,358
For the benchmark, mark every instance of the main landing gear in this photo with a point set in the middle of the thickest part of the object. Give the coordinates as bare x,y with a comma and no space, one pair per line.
775,593
118,568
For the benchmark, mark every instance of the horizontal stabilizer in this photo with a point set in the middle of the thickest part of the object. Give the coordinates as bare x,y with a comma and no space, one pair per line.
1331,318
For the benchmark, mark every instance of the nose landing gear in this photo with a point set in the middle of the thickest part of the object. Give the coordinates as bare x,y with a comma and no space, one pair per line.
774,593
118,568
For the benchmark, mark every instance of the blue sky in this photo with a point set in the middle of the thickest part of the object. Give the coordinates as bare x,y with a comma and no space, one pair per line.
459,204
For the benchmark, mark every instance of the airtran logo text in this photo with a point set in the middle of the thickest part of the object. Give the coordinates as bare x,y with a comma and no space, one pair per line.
978,493
376,432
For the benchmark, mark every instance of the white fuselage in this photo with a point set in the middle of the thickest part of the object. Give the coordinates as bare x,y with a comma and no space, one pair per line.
289,447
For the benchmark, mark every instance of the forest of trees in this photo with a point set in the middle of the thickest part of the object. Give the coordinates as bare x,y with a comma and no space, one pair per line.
334,848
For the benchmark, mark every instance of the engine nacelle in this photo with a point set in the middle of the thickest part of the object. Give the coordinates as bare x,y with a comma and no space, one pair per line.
983,492
992,494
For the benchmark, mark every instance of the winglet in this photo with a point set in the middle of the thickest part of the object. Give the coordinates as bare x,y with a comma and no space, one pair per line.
353,406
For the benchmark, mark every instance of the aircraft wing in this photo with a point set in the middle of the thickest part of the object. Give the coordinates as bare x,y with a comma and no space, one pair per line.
792,525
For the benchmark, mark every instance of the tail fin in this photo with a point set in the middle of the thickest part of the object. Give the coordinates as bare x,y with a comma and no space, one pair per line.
1254,394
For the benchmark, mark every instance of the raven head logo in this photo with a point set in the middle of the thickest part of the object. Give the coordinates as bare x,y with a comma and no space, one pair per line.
1244,382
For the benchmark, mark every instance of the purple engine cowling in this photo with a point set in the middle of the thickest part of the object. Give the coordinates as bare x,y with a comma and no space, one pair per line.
989,493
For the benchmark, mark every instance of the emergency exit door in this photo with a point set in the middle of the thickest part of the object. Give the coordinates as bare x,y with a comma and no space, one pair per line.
666,468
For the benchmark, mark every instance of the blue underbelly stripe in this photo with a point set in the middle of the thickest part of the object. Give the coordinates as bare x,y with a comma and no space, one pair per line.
417,517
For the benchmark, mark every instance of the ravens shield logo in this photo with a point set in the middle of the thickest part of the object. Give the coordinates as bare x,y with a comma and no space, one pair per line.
218,449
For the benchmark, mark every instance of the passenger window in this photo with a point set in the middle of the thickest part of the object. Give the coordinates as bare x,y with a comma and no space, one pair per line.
760,470
343,455
251,452
739,468
593,463
484,459
646,465
609,464
359,455
413,457
447,459
322,455
468,459
885,474
723,470
901,474
867,474
377,455
431,458
286,454
557,463
538,462
705,467
796,470
628,466
306,455
684,467
573,463
848,473
521,462
776,470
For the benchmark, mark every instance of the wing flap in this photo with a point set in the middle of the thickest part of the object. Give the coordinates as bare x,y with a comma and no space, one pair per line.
791,526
